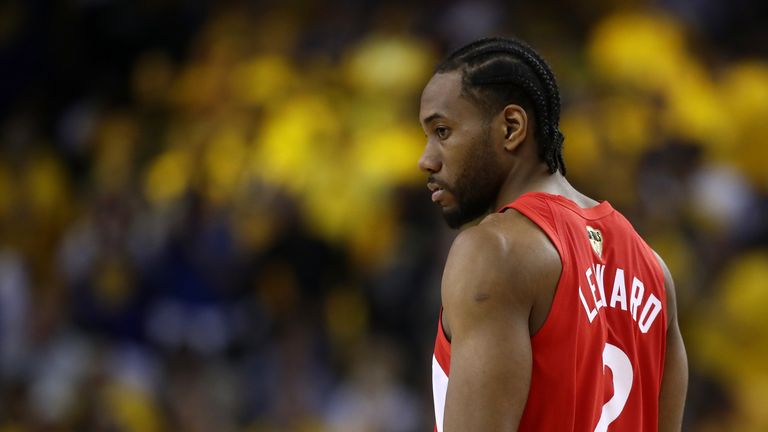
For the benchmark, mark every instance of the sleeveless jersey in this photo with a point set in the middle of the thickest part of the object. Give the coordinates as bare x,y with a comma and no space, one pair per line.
598,358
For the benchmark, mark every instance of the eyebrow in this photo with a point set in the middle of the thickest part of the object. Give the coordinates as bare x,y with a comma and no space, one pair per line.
433,117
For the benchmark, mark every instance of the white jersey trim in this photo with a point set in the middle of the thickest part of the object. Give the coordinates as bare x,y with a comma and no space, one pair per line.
439,390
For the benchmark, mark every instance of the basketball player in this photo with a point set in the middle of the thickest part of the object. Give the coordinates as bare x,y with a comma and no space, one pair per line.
556,315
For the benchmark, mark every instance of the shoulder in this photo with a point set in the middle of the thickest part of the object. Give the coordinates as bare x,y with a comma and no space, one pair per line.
669,287
500,240
502,262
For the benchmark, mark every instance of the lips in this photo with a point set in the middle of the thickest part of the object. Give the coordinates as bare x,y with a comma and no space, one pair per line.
437,191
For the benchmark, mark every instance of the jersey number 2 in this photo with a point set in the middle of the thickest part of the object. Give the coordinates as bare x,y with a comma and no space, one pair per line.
621,368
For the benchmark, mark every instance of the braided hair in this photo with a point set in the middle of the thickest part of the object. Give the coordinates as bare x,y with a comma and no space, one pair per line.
499,71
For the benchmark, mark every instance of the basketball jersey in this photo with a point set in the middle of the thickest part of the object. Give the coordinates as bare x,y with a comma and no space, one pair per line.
598,358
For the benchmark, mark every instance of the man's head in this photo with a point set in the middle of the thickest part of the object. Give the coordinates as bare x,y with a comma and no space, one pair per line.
477,110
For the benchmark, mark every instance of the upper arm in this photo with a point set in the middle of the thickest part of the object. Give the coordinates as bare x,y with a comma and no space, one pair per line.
488,290
674,384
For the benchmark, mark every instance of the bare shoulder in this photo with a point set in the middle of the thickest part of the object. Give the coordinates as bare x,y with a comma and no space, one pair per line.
669,286
500,241
667,275
503,262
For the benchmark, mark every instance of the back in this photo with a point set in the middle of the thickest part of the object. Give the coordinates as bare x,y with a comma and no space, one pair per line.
598,358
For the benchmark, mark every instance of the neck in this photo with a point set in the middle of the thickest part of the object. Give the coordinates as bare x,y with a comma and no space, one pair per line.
532,178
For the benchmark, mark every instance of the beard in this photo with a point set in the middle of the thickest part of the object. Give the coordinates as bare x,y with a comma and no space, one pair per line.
476,188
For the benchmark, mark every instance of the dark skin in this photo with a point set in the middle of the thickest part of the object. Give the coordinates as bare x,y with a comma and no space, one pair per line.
502,270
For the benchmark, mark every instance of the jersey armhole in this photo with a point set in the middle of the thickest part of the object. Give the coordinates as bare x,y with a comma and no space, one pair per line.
551,231
442,345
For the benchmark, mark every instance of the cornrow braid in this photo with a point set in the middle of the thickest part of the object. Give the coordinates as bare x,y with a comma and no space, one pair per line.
499,71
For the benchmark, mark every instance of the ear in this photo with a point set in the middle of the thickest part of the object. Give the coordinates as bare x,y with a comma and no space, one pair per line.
515,126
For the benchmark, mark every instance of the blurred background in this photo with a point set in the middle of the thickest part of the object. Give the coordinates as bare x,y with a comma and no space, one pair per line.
211,217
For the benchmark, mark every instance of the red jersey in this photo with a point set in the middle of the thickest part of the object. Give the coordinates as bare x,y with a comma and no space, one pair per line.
598,358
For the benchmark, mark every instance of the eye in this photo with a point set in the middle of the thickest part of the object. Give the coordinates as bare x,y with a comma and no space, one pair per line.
442,132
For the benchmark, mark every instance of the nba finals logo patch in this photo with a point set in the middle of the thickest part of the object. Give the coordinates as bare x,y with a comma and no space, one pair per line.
596,240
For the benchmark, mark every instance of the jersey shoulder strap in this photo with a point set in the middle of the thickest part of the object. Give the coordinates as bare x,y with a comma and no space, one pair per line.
536,207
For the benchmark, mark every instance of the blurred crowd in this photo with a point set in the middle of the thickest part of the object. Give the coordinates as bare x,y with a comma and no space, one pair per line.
211,217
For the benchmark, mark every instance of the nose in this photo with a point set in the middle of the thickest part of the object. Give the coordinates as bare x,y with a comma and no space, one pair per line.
429,161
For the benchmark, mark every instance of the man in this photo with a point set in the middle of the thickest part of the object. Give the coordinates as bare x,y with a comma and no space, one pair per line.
556,315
